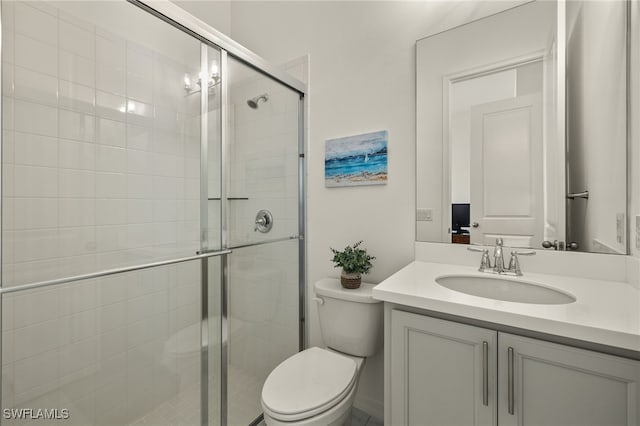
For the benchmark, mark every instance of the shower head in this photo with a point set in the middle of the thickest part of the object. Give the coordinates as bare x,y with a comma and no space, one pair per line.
253,103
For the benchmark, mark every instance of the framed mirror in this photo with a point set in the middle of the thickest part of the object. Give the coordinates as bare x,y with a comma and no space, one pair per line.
522,129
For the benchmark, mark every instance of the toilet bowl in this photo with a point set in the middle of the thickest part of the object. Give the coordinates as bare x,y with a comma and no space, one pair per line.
317,387
312,388
182,349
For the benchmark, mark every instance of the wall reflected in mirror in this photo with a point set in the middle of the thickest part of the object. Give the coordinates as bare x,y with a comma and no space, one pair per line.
496,156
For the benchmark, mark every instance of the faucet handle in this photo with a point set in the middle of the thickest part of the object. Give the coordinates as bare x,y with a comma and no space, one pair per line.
499,242
485,262
523,253
514,264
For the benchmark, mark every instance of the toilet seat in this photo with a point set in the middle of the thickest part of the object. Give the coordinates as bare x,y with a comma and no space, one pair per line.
308,383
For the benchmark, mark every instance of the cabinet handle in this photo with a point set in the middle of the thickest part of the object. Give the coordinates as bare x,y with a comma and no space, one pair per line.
510,384
485,373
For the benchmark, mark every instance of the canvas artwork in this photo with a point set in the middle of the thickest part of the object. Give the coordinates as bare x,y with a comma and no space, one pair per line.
356,160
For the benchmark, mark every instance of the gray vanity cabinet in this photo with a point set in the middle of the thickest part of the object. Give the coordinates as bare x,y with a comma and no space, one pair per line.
554,384
448,373
442,373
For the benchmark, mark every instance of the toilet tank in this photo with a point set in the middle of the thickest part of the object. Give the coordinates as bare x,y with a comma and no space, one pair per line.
350,320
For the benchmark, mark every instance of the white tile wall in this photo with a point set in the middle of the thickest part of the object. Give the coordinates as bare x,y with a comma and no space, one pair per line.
35,55
94,176
263,158
76,69
83,131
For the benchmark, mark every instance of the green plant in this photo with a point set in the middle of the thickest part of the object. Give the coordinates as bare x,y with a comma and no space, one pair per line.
353,259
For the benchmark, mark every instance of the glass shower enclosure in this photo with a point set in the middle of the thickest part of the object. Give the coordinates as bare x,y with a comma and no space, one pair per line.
152,217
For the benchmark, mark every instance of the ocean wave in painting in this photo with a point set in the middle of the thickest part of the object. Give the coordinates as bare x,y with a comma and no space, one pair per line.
356,160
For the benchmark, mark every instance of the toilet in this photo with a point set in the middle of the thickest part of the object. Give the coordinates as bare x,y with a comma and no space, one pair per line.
316,387
181,353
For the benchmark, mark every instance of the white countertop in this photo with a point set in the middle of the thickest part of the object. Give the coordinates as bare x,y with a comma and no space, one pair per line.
605,312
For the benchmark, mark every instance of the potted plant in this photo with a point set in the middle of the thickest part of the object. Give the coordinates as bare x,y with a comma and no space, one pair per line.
354,262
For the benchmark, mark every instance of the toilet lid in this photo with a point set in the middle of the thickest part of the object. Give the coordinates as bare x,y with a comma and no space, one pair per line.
308,383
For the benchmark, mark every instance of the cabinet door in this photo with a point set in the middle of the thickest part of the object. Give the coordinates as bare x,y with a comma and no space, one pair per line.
557,385
442,373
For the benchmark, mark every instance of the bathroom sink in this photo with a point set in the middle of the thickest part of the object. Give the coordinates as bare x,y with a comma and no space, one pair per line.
505,288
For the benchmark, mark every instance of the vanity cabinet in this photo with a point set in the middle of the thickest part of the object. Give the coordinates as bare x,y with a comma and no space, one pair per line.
442,372
448,373
555,384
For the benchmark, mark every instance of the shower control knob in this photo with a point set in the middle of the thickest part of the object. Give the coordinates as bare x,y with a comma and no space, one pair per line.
264,221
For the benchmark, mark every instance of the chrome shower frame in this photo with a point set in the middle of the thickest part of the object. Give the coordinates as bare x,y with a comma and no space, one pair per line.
179,18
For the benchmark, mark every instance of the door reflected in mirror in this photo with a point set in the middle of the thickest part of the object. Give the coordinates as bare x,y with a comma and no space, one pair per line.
495,145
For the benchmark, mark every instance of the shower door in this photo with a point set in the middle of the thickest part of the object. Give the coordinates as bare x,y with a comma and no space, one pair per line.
150,272
262,170
106,113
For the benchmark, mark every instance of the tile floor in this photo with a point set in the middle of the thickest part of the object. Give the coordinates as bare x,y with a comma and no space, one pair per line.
360,418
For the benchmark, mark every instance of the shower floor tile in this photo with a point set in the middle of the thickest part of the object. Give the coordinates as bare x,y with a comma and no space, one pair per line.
183,409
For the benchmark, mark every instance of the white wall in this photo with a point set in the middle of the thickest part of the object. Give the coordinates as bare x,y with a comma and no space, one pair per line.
362,67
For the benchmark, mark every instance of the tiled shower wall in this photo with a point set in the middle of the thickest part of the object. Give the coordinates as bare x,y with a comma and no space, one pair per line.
100,148
100,168
104,349
263,157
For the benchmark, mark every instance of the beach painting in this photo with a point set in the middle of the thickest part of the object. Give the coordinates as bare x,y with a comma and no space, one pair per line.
356,160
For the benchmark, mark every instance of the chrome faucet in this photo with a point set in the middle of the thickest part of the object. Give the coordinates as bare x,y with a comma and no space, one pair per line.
498,259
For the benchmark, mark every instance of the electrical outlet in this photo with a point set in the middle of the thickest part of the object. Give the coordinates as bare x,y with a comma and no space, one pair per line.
638,232
619,227
424,215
